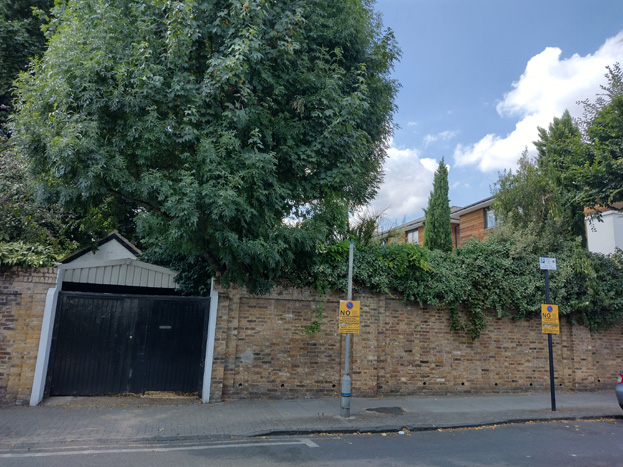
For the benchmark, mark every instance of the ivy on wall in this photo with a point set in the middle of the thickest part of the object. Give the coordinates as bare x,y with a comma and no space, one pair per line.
26,255
501,273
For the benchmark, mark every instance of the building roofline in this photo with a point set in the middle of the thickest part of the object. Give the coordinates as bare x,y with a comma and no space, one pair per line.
111,236
455,213
483,203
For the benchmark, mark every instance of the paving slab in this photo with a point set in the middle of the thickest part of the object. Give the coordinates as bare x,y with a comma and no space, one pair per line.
79,421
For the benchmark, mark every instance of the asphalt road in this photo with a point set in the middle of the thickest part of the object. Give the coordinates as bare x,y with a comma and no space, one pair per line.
585,443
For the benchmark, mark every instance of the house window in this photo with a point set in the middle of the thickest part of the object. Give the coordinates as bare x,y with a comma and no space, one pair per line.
412,237
491,220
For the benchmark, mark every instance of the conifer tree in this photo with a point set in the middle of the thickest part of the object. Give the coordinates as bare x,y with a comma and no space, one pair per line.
437,230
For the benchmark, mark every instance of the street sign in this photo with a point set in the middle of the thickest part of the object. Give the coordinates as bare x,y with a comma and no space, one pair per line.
549,319
547,263
549,322
349,317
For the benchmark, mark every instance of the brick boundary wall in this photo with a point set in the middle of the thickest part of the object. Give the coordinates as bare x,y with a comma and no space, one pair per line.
22,301
261,351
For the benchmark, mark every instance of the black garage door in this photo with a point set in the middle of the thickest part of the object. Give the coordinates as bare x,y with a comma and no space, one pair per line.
114,344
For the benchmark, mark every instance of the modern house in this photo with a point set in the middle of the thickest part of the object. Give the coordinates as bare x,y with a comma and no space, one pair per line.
475,220
605,235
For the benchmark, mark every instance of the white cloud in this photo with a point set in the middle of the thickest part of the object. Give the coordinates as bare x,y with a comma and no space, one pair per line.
407,184
429,164
547,87
443,136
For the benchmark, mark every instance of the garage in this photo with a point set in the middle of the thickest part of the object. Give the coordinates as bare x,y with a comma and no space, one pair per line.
115,344
119,325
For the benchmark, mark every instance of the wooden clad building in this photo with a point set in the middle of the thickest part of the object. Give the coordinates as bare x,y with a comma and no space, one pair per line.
473,221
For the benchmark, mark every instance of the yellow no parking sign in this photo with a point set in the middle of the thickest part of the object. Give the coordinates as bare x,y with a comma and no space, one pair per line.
349,317
549,319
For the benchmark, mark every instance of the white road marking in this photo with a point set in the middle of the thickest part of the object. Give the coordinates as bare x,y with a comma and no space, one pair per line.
309,443
304,441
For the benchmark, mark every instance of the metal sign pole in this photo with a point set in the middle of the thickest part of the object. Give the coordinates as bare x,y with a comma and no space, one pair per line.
552,387
346,382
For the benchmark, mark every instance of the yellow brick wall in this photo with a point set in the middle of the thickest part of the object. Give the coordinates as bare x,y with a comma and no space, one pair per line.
22,301
261,350
402,349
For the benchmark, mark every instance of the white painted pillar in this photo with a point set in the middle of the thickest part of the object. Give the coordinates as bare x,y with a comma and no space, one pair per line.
207,372
45,341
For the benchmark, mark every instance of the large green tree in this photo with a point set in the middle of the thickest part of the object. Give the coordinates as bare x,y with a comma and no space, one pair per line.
576,167
527,201
21,39
601,172
437,229
29,224
214,122
541,197
560,149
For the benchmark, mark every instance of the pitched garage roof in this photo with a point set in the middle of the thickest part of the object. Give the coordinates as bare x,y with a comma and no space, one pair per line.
115,262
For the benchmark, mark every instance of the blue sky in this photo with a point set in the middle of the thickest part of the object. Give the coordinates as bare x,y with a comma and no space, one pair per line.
478,77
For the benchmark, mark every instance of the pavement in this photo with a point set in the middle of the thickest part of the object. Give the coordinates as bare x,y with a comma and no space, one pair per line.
75,421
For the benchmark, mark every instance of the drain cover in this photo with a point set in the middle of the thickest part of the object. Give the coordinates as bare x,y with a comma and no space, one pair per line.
388,410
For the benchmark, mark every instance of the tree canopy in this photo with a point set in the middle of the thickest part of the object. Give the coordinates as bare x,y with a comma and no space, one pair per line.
437,229
579,164
35,233
31,234
233,132
541,196
21,38
602,169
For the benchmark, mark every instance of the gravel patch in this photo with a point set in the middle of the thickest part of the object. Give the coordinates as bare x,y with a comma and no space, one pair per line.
152,398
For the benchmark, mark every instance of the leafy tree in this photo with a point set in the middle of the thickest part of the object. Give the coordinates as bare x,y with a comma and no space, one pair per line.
21,39
31,234
437,231
541,196
576,167
22,217
602,170
213,121
527,201
35,233
559,149
364,227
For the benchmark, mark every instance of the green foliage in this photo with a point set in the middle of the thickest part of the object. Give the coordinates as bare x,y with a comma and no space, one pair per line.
541,196
438,232
213,121
381,267
24,219
21,39
601,173
542,206
28,220
576,167
311,329
588,288
528,201
365,227
26,255
500,273
560,149
194,272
